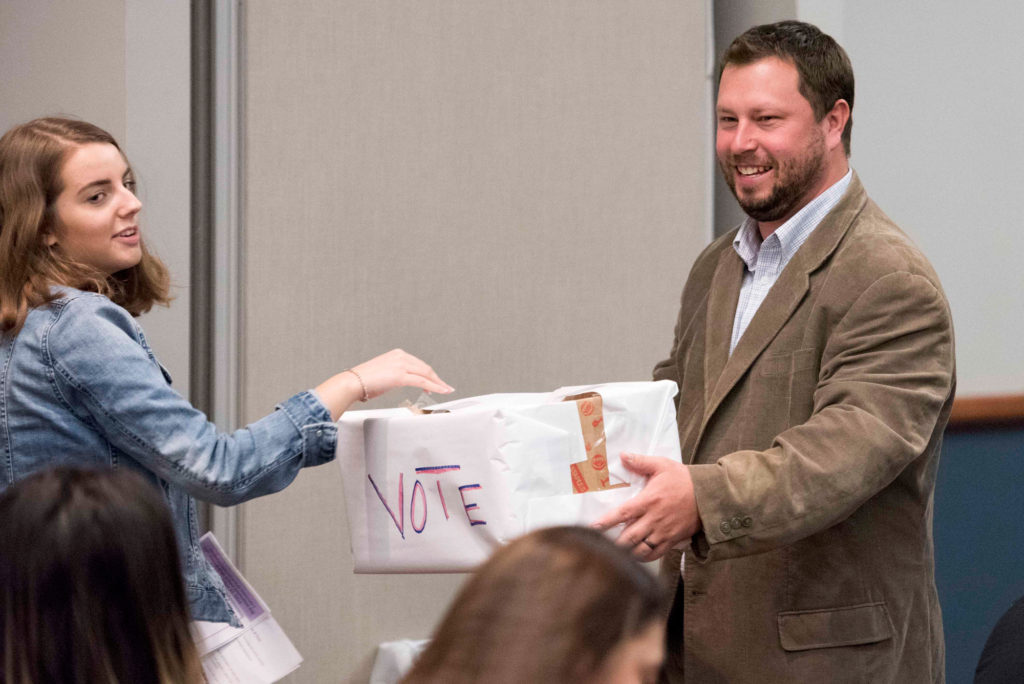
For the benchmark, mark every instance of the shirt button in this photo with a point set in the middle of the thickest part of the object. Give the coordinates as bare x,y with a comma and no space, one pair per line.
725,527
748,521
737,522
319,433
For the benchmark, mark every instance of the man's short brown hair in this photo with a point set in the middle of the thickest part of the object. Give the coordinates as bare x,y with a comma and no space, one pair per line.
826,75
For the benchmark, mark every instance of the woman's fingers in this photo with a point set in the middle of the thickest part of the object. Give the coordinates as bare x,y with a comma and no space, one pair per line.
398,368
425,373
428,384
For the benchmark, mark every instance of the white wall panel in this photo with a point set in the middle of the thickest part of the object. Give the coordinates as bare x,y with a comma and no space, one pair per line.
934,144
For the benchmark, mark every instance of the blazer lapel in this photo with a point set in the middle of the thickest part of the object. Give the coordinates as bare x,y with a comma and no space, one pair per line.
776,309
782,300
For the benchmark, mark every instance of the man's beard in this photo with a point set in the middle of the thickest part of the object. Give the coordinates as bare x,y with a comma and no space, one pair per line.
794,178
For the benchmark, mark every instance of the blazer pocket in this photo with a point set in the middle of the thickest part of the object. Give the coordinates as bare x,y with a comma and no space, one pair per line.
803,630
778,395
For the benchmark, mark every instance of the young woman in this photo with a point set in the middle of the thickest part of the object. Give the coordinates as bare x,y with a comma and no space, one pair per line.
78,381
90,586
563,604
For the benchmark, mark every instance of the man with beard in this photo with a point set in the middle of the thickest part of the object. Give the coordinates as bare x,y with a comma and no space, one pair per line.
814,356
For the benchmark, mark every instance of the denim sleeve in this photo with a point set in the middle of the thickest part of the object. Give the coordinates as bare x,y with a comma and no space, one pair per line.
104,375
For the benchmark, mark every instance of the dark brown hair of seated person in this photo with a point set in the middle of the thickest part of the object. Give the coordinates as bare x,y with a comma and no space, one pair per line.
549,607
32,157
91,588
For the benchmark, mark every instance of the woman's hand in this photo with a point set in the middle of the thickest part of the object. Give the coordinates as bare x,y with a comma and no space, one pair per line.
395,368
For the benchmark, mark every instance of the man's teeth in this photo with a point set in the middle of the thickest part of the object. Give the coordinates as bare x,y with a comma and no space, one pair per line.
751,170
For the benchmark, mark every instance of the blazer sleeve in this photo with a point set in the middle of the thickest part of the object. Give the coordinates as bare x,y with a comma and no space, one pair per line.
887,372
105,376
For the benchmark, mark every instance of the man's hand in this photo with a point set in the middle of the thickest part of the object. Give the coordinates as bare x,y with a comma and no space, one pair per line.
660,516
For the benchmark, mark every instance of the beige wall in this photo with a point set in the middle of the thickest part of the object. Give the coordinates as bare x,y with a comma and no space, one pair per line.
62,57
513,191
123,65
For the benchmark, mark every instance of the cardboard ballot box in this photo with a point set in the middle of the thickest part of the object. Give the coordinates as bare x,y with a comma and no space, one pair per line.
437,492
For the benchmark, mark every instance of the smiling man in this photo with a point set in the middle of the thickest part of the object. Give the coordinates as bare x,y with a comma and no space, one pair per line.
814,355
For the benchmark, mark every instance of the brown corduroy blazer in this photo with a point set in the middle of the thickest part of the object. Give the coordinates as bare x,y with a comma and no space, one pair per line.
813,450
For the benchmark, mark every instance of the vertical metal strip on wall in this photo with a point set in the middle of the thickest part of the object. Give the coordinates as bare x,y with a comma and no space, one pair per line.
710,123
216,222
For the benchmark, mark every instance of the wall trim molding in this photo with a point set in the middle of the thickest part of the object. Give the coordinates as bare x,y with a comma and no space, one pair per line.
1004,410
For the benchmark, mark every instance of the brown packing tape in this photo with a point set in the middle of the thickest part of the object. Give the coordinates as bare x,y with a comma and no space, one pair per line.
592,474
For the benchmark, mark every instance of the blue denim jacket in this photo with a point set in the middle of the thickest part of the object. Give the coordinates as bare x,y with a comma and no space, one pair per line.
81,386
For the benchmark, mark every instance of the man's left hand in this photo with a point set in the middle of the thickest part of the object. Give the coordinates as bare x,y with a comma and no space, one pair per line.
660,516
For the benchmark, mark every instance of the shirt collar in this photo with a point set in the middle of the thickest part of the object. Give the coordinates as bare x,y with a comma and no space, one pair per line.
794,232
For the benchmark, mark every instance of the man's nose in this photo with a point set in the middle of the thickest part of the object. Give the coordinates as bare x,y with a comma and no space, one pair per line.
743,139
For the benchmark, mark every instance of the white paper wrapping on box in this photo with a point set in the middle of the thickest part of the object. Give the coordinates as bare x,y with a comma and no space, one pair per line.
438,492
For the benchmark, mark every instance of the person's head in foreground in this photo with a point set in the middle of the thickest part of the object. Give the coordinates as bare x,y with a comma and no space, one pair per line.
69,216
562,604
90,583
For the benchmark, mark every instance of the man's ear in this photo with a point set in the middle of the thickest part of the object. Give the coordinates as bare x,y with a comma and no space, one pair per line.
835,122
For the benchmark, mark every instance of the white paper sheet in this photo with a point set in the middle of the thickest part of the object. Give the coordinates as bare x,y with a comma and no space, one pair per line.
263,654
258,652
